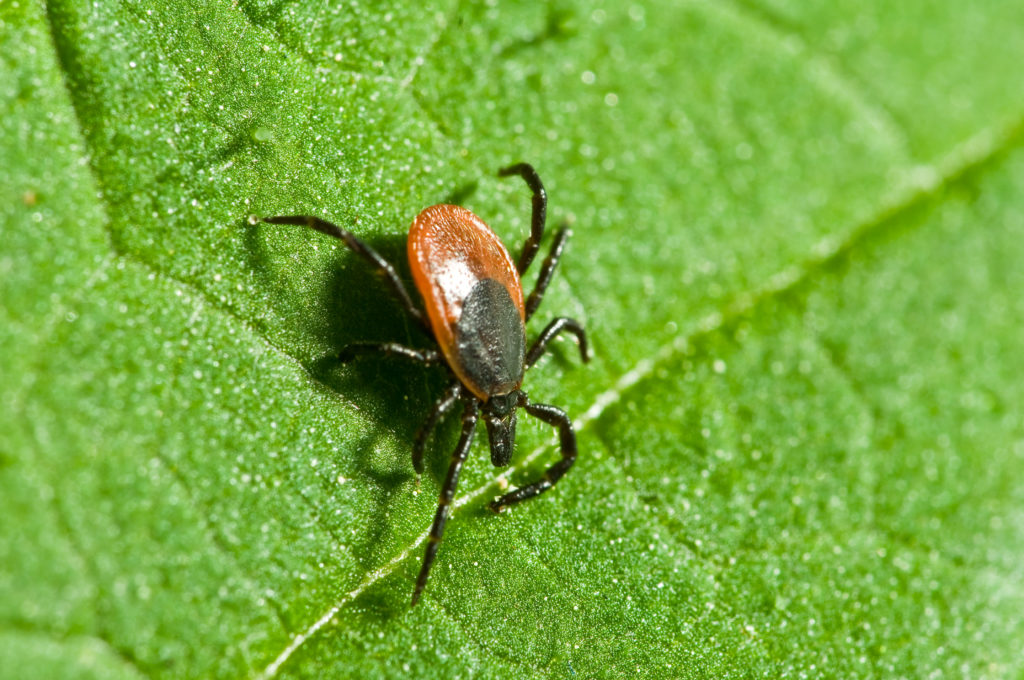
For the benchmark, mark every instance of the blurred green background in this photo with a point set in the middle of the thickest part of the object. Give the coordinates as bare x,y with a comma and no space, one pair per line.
799,229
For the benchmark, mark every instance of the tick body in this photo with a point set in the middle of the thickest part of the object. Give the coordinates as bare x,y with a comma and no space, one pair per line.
477,314
473,297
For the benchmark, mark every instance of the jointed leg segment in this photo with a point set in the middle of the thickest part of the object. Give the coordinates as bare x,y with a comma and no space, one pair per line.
553,329
547,271
540,210
369,254
567,439
442,406
356,349
469,417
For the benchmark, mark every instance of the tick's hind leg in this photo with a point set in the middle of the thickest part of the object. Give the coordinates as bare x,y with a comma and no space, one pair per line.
469,416
567,437
540,211
382,266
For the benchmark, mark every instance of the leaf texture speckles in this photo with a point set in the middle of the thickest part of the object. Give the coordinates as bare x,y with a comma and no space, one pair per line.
797,236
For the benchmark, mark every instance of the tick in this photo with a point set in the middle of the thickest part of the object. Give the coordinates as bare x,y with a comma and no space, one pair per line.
477,314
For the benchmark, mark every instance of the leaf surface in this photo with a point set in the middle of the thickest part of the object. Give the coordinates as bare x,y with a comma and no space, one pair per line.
797,236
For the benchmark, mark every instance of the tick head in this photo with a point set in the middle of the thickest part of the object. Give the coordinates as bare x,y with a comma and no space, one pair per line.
500,417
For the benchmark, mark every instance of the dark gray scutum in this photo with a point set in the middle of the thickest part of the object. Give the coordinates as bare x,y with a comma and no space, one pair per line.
491,339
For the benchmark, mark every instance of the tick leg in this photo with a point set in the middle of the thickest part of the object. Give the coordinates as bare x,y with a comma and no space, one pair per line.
553,329
547,271
469,416
393,349
442,406
382,266
552,416
540,210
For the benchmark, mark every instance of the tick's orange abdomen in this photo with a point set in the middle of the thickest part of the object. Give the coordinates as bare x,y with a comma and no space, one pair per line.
451,251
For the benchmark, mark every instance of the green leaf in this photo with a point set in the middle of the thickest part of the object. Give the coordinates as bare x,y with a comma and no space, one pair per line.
798,235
